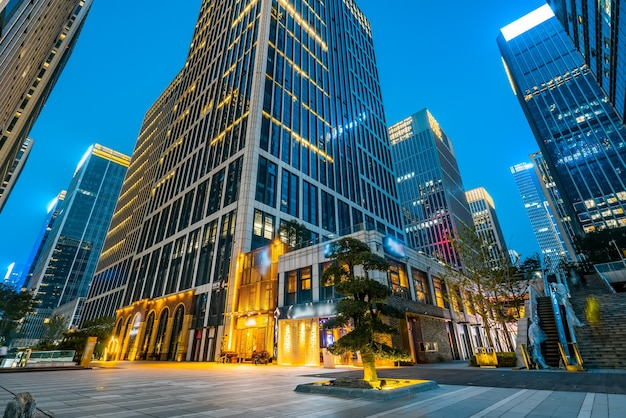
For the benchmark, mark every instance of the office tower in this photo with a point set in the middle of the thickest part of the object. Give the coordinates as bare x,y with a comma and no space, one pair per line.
277,116
566,226
14,171
109,282
597,31
66,264
430,187
36,40
51,215
540,215
579,133
487,225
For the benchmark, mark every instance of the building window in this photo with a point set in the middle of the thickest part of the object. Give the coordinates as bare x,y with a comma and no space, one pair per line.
439,295
291,284
398,280
420,282
327,289
289,194
262,230
266,182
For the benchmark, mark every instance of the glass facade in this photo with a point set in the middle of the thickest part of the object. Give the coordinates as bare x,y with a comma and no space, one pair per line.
67,261
540,215
276,116
36,40
597,31
429,186
579,133
486,223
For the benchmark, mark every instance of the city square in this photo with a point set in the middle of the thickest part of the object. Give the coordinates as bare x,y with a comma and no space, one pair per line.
158,389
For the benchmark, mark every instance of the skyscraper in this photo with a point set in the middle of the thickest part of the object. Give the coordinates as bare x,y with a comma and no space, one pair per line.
66,264
540,215
487,225
579,133
429,185
568,229
276,116
597,30
36,40
40,241
14,171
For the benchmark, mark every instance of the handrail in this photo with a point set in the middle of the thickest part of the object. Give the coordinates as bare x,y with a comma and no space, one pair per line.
558,318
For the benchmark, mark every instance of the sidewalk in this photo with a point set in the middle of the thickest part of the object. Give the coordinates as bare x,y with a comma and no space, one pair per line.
162,389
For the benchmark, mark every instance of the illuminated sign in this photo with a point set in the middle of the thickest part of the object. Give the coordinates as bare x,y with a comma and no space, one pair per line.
307,310
393,247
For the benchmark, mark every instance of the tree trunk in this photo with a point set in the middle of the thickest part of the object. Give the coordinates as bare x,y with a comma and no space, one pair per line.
369,367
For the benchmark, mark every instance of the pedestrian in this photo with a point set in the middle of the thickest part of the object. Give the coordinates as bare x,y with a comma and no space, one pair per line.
592,313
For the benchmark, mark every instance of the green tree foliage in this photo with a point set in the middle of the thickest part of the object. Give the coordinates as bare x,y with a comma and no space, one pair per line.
294,234
102,328
53,331
14,306
492,289
363,310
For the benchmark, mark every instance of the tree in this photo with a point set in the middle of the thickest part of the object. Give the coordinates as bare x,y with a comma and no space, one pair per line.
363,309
14,306
101,327
480,279
54,330
294,234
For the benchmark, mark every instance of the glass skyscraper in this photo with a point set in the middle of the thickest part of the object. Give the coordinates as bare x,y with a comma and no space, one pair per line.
487,225
429,186
540,216
276,116
597,30
579,133
36,40
67,261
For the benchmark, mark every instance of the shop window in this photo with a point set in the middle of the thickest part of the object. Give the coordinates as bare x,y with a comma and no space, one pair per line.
161,331
439,292
398,279
327,290
304,280
291,283
420,282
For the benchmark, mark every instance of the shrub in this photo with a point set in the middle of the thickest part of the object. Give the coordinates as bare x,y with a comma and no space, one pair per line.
473,362
506,359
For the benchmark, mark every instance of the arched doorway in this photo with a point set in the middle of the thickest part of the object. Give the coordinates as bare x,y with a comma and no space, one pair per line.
144,346
177,327
159,341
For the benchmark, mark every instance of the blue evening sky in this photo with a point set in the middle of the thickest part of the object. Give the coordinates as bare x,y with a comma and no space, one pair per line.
439,55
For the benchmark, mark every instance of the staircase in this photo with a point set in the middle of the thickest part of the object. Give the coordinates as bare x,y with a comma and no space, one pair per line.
550,347
604,348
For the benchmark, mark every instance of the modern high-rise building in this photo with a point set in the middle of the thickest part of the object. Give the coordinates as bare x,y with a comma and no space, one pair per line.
487,225
579,133
66,264
36,40
568,229
429,186
14,171
276,116
541,218
40,241
599,33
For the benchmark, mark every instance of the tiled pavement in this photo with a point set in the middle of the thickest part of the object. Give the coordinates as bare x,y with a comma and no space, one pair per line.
216,390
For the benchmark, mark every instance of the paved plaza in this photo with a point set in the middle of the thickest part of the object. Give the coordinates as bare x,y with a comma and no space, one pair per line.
162,389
